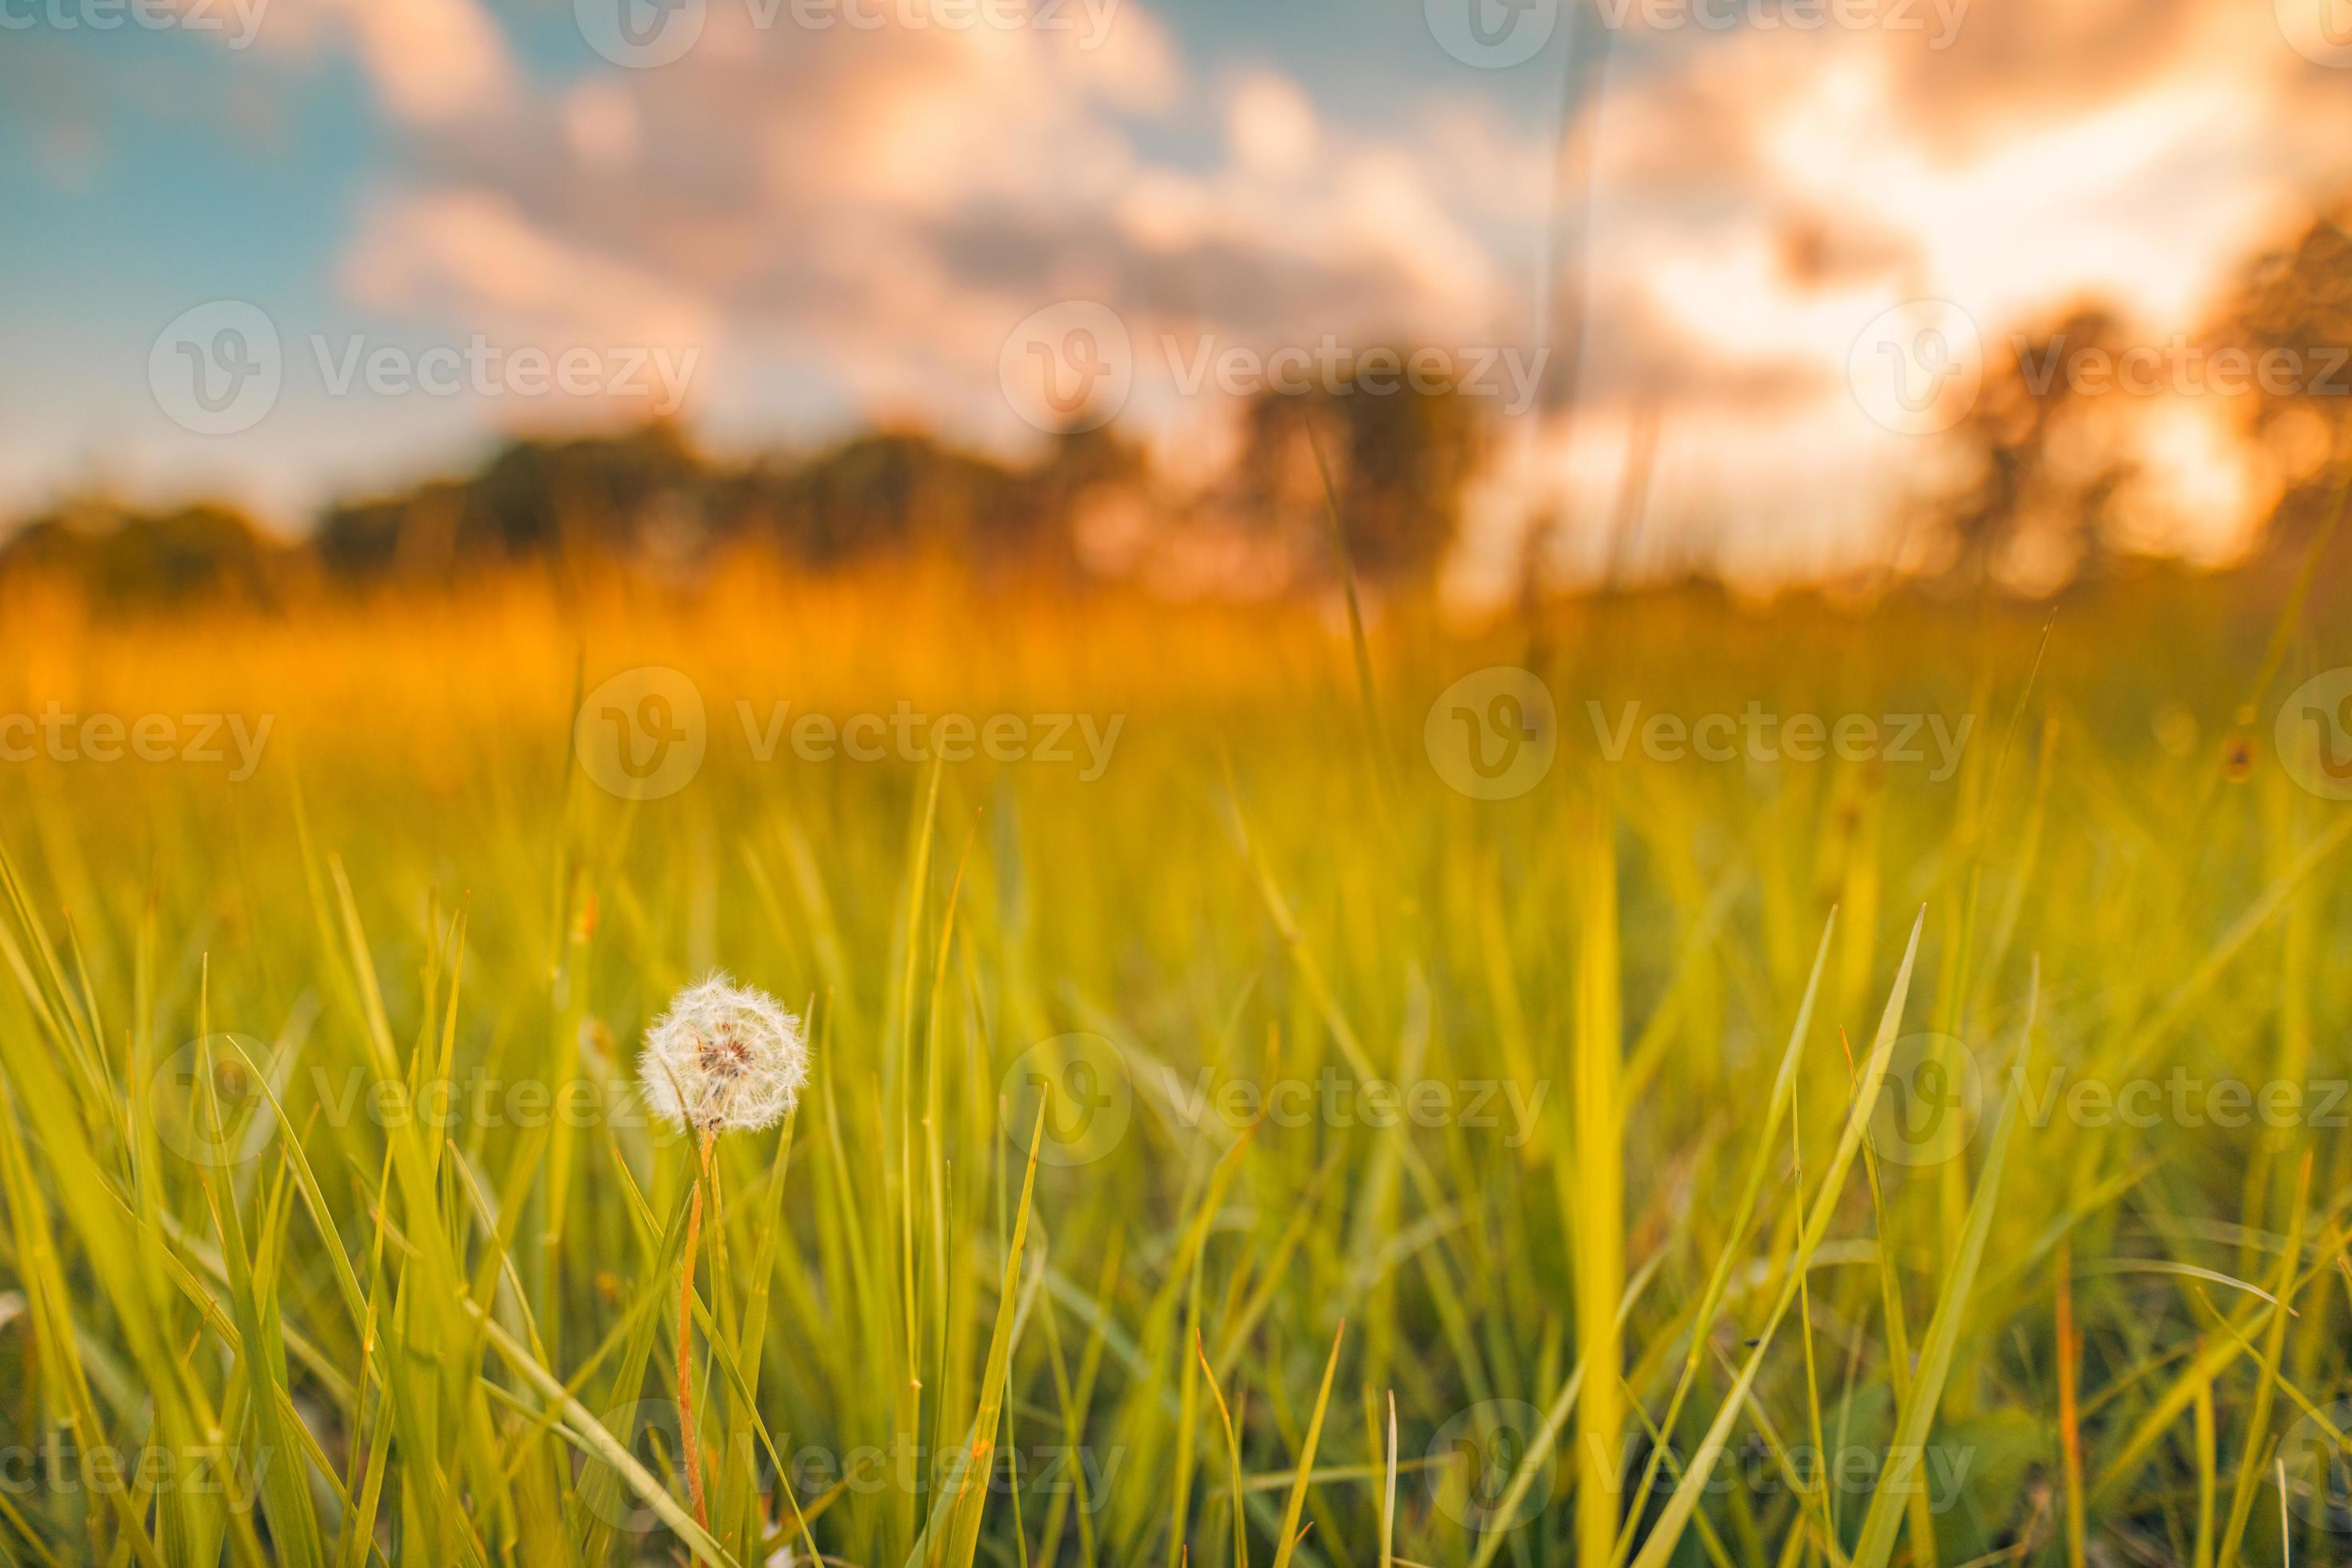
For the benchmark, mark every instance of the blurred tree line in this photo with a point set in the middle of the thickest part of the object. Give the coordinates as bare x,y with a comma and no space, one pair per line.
650,499
2048,459
2042,468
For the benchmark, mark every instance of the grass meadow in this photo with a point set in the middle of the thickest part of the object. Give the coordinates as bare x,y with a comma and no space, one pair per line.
1236,1141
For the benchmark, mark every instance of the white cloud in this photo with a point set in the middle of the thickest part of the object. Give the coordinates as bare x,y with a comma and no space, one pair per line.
867,212
469,254
430,61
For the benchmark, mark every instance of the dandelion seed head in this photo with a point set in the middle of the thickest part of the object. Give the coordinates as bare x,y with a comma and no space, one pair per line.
723,1059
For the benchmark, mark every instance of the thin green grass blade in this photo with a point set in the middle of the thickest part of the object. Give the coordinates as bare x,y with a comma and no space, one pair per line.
971,1482
1675,1518
1297,1505
1876,1545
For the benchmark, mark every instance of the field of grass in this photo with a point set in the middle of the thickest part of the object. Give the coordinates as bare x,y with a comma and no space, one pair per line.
1927,1151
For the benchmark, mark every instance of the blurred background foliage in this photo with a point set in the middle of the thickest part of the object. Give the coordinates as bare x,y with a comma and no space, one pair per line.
2033,482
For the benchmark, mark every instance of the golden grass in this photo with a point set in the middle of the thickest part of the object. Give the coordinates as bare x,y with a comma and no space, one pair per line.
1608,1303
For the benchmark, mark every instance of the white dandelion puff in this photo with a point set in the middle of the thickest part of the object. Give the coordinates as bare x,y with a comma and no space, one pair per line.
724,1059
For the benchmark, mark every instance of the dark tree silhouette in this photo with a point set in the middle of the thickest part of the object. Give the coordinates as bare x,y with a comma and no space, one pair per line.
1397,458
2040,468
2293,303
121,556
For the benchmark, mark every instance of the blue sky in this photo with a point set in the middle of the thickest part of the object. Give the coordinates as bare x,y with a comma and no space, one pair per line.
162,169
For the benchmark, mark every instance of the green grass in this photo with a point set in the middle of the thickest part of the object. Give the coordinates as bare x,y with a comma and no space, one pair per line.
1607,1310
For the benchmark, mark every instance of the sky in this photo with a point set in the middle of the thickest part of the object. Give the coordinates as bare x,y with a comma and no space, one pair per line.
282,250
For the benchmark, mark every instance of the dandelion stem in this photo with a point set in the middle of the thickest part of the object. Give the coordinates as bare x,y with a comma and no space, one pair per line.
687,1437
